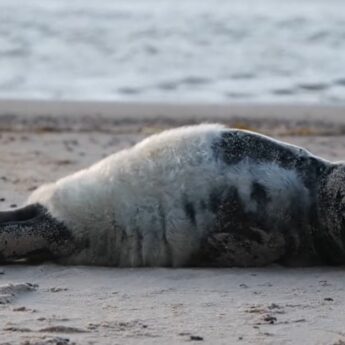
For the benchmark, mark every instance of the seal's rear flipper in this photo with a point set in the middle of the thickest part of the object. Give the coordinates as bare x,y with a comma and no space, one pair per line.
31,233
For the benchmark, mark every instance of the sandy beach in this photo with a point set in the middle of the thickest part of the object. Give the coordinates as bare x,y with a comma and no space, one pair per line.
51,304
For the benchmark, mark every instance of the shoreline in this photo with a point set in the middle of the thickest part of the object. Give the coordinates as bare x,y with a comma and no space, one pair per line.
106,116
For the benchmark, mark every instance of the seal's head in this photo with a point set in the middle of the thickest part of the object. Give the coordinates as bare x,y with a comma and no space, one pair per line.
32,233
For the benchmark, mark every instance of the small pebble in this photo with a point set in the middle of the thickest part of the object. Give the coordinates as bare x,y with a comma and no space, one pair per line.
196,338
270,319
328,299
13,205
324,283
267,334
57,289
274,306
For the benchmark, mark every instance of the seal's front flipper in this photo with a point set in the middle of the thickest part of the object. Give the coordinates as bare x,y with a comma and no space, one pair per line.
224,249
31,233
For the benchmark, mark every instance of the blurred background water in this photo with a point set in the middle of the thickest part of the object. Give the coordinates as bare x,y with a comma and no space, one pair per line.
173,50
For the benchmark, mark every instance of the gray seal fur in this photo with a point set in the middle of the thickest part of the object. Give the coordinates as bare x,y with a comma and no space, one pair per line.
201,195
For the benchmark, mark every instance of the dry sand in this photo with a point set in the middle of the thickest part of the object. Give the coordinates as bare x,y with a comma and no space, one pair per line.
50,304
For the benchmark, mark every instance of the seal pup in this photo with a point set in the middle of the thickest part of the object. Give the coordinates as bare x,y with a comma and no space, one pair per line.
202,195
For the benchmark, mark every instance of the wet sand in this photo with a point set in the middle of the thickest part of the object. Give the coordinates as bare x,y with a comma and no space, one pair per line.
50,304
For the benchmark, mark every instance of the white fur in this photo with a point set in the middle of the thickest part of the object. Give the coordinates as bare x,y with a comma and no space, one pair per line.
132,189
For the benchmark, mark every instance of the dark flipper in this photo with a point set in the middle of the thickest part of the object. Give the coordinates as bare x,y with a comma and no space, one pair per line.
225,249
31,233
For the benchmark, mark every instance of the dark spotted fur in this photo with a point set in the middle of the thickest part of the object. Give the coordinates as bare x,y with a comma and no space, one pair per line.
305,234
235,145
189,210
51,239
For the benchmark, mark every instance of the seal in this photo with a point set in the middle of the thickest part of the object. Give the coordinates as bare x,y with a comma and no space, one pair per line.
202,195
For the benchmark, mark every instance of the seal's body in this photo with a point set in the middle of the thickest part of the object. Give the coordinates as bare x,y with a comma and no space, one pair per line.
200,195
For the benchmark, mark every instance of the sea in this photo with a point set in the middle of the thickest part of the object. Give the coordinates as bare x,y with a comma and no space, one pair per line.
290,51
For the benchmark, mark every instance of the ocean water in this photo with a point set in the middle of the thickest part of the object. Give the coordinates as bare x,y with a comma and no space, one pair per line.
173,50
